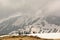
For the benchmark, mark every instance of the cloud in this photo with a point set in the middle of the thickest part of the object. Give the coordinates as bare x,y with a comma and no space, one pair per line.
12,3
28,7
10,7
52,6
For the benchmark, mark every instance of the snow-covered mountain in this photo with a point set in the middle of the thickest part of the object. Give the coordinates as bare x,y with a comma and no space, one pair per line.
26,24
53,19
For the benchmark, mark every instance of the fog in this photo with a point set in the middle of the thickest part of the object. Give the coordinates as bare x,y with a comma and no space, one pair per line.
28,7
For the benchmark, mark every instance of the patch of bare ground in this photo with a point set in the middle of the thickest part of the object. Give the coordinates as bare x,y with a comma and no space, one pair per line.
23,38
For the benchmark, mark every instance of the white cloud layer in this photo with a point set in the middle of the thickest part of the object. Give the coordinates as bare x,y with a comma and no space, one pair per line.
28,7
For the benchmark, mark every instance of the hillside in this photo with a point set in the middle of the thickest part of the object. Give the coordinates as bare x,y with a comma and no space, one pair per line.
22,38
28,25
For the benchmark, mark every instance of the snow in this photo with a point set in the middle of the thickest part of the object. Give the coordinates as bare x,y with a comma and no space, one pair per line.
44,35
47,35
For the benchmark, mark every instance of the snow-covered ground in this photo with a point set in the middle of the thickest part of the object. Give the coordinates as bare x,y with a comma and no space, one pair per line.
44,35
47,35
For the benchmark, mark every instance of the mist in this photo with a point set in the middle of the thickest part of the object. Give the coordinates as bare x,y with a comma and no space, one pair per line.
28,7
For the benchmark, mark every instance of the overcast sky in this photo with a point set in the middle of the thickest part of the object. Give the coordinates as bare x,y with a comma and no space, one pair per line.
29,7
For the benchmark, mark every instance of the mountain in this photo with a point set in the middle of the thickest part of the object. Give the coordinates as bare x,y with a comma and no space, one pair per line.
29,24
14,23
6,24
53,19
